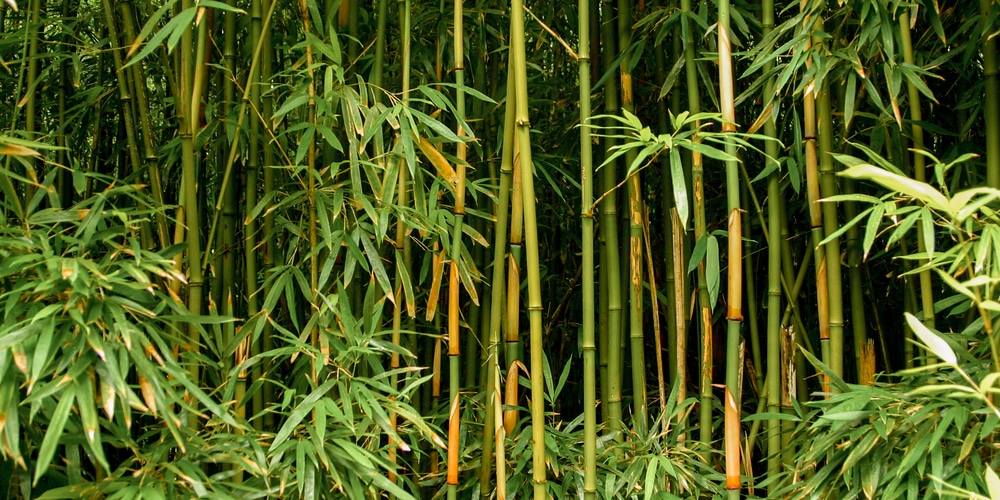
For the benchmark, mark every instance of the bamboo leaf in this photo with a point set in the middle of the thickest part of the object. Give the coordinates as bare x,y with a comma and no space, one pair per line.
53,433
679,187
299,413
378,269
712,271
915,189
936,344
171,32
993,483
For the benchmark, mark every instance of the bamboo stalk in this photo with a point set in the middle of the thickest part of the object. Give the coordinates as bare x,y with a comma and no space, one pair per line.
188,128
700,232
810,123
402,250
635,264
828,188
734,309
34,31
611,341
519,66
587,261
991,105
774,247
919,167
497,303
454,343
270,246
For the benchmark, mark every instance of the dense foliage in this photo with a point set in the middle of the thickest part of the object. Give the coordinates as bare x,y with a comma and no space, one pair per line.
605,248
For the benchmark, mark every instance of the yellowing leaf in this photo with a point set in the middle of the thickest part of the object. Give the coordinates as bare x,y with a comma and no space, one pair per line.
444,168
16,150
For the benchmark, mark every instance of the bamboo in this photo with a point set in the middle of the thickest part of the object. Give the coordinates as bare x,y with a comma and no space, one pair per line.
991,105
667,204
378,67
270,245
828,188
587,261
513,296
519,66
34,31
609,227
402,243
734,309
230,216
123,91
494,418
774,247
810,123
700,232
635,263
150,157
250,201
188,129
750,282
919,168
454,342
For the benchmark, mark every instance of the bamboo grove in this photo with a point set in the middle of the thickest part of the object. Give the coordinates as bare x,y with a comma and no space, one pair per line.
489,249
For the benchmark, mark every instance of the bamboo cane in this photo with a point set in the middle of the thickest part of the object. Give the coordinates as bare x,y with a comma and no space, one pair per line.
519,66
609,227
734,309
991,107
587,261
636,209
774,247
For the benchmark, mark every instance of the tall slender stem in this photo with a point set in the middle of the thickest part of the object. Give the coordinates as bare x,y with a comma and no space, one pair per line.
523,127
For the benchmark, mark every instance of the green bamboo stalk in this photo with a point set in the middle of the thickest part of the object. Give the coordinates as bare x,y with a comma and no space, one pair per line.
750,282
378,67
636,209
774,247
587,261
150,157
64,181
123,91
34,31
828,188
494,417
859,330
402,199
700,232
519,66
230,214
667,204
266,59
609,227
919,169
188,129
250,201
734,309
991,107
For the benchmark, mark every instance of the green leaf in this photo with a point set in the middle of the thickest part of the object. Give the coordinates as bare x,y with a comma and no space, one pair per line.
712,271
299,413
915,189
53,432
171,32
